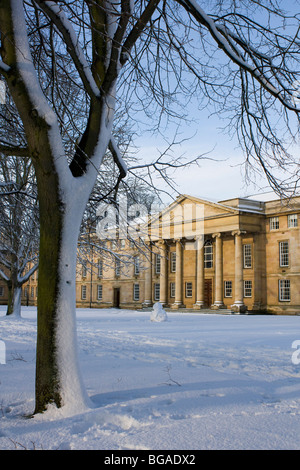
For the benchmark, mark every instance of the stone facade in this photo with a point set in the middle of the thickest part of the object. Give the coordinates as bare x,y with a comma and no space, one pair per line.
239,254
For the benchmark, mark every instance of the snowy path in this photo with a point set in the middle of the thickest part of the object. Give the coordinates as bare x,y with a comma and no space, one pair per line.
196,381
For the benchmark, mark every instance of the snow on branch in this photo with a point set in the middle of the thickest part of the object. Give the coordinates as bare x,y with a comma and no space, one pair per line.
118,157
4,276
64,26
4,69
25,278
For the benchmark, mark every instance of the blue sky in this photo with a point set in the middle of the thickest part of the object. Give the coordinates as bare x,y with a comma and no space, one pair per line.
220,176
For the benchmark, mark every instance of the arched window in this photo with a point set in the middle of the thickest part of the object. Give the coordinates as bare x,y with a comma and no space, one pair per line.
208,254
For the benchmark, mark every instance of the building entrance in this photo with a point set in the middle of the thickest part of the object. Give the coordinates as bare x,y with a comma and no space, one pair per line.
208,300
117,297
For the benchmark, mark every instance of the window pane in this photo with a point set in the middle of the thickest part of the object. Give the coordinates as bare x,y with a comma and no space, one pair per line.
247,288
136,265
100,268
284,290
173,262
247,256
284,254
208,255
228,288
293,220
136,292
99,292
172,289
157,264
83,292
189,289
274,223
156,291
117,267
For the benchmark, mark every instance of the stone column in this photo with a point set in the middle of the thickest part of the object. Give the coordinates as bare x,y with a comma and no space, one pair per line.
148,278
199,274
163,273
179,276
238,306
259,266
218,302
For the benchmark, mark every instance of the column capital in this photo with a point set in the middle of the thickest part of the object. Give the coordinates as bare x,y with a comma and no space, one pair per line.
179,240
238,232
216,235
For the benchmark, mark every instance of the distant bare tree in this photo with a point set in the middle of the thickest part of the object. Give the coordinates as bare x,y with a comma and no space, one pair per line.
19,228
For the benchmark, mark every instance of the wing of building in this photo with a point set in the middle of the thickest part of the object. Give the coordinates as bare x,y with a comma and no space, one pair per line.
241,254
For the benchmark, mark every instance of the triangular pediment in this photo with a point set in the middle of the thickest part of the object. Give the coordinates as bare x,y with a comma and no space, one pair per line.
187,216
210,209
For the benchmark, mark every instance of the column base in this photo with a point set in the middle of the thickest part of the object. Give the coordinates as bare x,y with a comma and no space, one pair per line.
177,305
238,307
217,305
199,305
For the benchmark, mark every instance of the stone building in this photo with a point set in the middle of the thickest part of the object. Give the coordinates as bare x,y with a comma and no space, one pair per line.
241,254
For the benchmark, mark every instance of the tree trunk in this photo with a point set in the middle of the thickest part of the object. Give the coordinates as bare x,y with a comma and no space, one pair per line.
57,372
14,299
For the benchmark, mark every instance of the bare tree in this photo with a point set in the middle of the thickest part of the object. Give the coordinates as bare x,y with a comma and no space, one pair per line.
18,227
156,54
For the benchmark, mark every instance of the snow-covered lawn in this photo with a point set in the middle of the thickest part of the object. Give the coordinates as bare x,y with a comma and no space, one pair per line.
196,381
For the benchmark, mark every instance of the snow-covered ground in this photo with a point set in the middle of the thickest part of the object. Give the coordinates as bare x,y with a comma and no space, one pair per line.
195,381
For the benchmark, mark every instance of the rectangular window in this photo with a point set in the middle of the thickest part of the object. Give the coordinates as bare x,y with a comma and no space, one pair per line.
293,220
284,290
115,244
100,268
117,267
189,289
99,292
84,270
83,292
208,255
1,291
157,264
274,223
247,288
283,254
156,292
247,256
173,261
136,265
228,288
136,292
172,289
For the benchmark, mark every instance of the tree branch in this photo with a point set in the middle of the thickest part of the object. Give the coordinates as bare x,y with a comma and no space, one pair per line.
224,42
57,15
